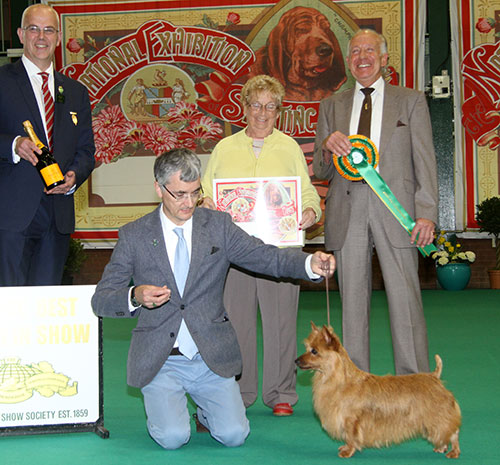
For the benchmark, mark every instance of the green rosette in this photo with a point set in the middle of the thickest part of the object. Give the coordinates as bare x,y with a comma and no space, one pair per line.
361,147
360,165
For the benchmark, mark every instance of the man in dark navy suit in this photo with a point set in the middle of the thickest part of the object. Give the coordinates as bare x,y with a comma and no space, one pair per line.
35,225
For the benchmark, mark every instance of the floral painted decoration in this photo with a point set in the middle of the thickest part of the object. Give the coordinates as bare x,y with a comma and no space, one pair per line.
486,25
185,126
450,251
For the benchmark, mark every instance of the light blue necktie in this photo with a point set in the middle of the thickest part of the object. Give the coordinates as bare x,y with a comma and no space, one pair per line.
181,268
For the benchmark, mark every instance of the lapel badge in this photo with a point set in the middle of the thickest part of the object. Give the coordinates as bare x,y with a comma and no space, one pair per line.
74,118
154,242
60,95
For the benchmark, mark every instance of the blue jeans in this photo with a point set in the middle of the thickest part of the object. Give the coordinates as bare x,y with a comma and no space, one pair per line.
219,404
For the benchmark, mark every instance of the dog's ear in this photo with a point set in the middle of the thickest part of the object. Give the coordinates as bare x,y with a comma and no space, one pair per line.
277,46
330,338
314,327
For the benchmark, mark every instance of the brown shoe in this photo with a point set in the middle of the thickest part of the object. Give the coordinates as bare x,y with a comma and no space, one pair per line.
283,409
200,427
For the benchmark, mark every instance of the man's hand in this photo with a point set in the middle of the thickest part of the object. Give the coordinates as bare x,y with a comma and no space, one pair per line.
69,182
308,218
425,230
27,149
338,144
152,296
323,264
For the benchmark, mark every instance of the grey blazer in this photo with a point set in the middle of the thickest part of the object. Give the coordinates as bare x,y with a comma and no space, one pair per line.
407,162
141,255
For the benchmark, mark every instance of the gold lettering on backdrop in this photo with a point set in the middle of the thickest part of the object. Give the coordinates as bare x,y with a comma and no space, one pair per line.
108,66
197,43
210,48
293,121
90,83
117,57
495,59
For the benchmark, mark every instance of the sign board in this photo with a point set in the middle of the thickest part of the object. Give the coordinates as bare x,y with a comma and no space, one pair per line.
50,363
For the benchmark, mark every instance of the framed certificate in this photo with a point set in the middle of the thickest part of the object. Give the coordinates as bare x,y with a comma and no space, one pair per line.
267,208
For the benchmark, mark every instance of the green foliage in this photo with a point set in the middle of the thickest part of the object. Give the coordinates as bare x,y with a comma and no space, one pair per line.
488,219
76,257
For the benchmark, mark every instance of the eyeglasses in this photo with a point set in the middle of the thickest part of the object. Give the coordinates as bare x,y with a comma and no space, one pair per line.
269,107
35,30
183,196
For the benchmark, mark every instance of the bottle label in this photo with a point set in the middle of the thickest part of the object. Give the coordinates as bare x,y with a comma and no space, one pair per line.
51,174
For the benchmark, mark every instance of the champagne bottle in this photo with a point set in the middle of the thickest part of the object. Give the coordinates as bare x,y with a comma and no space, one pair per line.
47,165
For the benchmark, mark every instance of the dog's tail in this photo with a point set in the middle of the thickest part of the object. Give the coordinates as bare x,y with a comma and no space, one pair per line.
439,367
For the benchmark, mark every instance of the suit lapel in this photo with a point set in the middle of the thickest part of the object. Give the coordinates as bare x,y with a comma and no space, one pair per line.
58,107
155,245
200,244
26,90
343,108
390,114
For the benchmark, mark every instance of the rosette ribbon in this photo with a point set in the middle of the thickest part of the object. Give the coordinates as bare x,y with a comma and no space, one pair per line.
360,164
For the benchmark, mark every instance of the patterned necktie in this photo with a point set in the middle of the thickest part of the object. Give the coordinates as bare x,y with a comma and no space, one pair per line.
365,117
48,102
181,267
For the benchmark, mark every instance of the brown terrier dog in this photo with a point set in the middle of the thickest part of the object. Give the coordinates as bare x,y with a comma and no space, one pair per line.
366,410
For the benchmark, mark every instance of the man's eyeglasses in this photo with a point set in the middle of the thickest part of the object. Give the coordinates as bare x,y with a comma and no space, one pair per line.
183,196
35,30
269,107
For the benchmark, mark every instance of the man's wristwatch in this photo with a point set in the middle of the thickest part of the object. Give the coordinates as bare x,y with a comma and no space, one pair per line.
133,300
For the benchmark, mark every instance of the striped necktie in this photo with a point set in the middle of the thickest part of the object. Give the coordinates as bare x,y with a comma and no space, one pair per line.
48,102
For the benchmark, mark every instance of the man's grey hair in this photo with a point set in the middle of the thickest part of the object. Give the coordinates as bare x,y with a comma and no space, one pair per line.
381,40
175,160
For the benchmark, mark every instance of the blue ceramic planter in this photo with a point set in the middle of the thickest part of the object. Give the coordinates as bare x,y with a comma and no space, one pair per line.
454,276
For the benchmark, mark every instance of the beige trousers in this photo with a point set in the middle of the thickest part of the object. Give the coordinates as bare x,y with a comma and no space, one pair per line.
278,302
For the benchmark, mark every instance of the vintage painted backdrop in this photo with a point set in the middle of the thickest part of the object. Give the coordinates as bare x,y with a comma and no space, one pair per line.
164,74
475,28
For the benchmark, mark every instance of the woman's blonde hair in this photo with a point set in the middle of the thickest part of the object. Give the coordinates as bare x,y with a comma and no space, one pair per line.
262,83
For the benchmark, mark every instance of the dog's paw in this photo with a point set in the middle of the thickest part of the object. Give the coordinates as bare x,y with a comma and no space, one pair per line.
346,451
441,450
453,454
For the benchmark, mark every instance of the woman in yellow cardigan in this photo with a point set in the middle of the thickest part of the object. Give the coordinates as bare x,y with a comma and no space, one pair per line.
260,150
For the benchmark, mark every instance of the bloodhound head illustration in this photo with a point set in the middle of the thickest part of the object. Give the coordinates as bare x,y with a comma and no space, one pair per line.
303,53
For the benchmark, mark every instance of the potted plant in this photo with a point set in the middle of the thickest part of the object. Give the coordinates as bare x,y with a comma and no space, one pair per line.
488,219
452,263
74,262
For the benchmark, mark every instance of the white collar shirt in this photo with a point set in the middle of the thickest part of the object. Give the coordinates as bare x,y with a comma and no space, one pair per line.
171,238
36,84
377,110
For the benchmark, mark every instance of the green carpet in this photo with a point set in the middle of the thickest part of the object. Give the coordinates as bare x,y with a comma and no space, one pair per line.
463,330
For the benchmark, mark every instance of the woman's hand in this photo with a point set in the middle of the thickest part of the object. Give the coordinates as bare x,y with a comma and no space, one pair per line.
308,218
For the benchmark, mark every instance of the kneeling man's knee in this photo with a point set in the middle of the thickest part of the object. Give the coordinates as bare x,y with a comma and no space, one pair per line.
234,436
172,439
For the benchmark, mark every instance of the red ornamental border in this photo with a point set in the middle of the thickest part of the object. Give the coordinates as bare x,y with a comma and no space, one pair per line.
479,102
468,142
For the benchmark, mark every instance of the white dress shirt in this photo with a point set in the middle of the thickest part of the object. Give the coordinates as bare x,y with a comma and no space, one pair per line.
171,239
36,84
377,109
